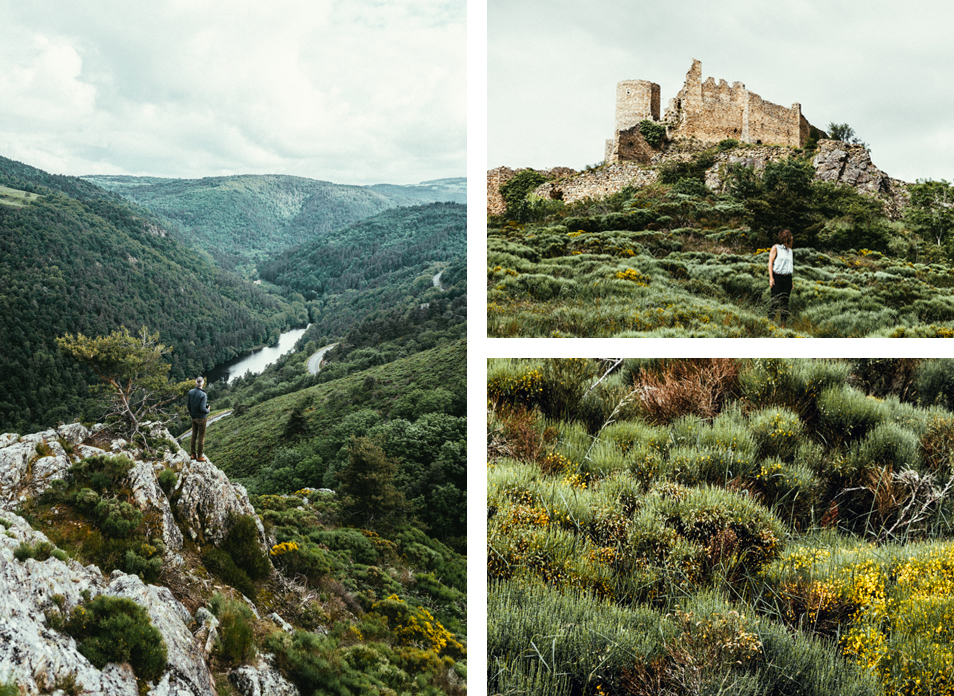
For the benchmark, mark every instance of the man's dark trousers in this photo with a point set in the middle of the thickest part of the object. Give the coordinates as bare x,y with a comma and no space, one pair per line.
198,436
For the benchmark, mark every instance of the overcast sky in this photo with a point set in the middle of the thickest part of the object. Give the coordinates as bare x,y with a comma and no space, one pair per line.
882,67
350,91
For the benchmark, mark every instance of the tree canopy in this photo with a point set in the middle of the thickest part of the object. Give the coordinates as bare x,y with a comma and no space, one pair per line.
132,373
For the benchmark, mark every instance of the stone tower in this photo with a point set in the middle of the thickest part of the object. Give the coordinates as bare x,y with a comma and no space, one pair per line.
636,100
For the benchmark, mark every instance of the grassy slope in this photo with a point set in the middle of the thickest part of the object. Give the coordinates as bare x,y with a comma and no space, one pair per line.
238,444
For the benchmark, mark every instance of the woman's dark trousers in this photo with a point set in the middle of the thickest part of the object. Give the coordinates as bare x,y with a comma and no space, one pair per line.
780,295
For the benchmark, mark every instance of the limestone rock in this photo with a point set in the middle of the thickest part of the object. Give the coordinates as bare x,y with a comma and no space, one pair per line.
281,623
32,655
150,498
187,670
261,679
848,164
205,499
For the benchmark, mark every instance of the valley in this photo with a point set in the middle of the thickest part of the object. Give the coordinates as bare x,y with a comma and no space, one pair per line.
330,576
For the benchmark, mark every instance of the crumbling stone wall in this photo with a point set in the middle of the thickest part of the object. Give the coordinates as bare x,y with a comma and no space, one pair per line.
707,111
597,183
501,175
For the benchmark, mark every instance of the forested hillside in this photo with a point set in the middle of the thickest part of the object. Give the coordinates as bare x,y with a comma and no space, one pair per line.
240,219
78,259
364,271
290,431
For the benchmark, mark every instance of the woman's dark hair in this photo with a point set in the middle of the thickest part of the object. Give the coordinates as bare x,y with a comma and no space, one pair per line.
785,237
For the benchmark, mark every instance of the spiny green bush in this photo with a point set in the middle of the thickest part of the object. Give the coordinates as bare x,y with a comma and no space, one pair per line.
236,638
144,562
846,414
40,551
167,480
351,541
777,432
221,564
241,543
934,382
114,629
789,490
117,518
102,471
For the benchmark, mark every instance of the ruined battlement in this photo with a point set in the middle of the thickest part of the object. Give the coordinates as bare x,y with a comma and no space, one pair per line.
707,110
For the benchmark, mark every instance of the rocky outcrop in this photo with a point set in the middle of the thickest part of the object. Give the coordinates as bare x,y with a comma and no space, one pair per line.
851,165
28,464
36,657
261,679
205,500
834,161
186,669
200,507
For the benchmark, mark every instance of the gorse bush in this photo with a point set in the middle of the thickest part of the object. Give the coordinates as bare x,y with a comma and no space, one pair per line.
236,639
783,537
114,629
242,544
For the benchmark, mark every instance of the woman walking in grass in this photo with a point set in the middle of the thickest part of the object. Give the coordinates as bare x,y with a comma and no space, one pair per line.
780,275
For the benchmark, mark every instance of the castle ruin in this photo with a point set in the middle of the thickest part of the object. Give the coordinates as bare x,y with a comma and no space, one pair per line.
706,111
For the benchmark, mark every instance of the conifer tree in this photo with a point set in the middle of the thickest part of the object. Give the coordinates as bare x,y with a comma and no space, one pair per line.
132,375
370,498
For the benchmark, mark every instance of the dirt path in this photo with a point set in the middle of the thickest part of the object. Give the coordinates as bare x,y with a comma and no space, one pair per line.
314,362
437,281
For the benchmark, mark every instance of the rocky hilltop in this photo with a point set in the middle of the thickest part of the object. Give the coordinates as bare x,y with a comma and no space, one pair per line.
194,513
834,161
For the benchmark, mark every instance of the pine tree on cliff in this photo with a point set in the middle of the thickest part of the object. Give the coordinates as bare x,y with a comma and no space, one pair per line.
132,374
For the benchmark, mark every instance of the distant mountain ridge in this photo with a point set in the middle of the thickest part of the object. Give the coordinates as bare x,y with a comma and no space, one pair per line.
240,219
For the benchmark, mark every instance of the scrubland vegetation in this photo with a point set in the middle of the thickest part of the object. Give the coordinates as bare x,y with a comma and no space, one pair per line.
676,259
720,526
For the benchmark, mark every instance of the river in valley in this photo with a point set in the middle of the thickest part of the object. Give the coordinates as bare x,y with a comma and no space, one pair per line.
257,360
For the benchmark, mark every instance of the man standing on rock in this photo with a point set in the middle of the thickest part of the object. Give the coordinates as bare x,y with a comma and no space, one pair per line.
198,402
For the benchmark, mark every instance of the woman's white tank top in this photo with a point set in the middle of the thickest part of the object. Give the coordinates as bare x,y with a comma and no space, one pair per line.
783,260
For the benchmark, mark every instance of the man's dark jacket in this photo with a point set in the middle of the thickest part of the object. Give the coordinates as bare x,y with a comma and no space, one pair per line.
198,403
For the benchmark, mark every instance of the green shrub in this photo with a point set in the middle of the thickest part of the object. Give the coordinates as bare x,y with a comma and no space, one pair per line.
934,382
242,545
778,432
302,558
316,666
888,444
117,519
110,470
350,540
167,480
40,551
727,144
220,564
652,132
113,629
790,490
846,414
236,637
147,568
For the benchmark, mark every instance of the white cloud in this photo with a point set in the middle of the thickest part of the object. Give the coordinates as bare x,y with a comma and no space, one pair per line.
356,91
